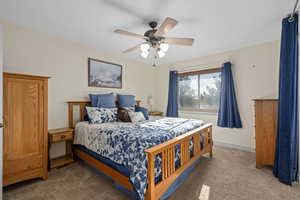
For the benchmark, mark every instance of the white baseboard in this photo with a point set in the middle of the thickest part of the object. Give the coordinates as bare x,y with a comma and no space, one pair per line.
234,146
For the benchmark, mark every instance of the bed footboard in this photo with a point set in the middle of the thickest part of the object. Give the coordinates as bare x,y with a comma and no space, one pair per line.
167,151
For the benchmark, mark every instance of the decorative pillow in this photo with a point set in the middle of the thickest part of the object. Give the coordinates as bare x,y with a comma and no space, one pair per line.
126,100
101,115
123,114
143,110
107,97
106,101
94,99
136,116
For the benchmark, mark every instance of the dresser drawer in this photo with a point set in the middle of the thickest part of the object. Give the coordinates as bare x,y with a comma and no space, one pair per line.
61,137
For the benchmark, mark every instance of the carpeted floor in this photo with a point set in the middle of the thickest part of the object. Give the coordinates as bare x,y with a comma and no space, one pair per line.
231,175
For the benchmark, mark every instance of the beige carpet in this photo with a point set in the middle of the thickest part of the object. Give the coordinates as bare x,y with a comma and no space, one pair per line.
231,175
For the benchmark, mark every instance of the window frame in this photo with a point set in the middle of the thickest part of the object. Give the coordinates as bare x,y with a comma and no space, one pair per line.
198,72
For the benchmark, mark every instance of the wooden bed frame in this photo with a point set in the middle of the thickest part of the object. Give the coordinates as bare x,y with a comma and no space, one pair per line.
166,149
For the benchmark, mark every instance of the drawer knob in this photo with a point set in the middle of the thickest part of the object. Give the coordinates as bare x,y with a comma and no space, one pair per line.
62,137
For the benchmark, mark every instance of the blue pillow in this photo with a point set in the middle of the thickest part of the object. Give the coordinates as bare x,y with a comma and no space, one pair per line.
106,101
143,110
107,97
94,99
126,100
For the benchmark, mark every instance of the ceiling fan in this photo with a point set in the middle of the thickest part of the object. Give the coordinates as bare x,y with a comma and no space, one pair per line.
155,39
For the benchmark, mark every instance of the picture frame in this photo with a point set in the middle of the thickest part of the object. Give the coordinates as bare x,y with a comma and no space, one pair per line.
104,74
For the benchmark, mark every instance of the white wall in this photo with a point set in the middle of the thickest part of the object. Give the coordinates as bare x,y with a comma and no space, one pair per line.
65,61
255,70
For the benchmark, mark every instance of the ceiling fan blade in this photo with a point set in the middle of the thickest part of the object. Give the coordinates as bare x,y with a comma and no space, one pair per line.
166,26
133,48
126,33
180,41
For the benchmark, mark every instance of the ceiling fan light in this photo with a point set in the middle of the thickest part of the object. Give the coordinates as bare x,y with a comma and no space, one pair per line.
161,54
164,47
145,47
145,54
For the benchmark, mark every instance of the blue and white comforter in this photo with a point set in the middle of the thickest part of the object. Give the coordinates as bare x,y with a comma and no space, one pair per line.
124,143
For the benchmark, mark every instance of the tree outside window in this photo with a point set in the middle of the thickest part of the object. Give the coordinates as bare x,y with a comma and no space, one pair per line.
199,91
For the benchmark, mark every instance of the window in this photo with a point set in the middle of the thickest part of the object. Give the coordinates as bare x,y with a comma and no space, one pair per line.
199,91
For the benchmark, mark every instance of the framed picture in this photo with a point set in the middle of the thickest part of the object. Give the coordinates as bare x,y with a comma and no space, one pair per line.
104,74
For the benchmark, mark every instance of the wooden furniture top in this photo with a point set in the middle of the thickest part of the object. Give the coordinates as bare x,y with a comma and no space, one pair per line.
268,99
24,76
60,130
156,113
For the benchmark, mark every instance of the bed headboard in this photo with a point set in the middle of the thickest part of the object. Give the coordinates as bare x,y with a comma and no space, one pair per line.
82,112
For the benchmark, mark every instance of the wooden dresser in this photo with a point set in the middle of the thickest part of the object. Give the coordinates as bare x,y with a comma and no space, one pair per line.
25,138
265,131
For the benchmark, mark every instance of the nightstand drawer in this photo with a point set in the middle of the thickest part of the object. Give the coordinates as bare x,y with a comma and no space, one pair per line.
62,137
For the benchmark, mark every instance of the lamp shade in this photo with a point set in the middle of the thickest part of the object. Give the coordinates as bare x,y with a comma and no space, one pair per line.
164,47
161,53
145,47
145,54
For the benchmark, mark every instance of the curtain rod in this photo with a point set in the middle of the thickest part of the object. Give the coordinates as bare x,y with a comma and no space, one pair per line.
294,11
200,66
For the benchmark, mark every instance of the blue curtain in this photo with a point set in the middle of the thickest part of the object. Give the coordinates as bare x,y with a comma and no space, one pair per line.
229,115
172,110
287,143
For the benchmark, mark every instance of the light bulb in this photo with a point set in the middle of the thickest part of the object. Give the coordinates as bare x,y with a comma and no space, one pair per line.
161,54
145,54
164,47
145,47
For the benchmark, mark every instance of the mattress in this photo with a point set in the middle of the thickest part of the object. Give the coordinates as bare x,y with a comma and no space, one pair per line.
120,168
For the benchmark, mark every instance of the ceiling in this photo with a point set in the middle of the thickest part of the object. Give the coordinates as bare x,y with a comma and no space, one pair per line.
216,25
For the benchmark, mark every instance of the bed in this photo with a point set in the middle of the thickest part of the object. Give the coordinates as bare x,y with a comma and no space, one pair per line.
145,158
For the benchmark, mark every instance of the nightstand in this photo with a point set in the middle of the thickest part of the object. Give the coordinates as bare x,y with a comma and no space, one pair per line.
156,113
61,135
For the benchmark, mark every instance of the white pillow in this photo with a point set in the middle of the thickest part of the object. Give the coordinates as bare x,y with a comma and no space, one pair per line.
101,115
136,116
